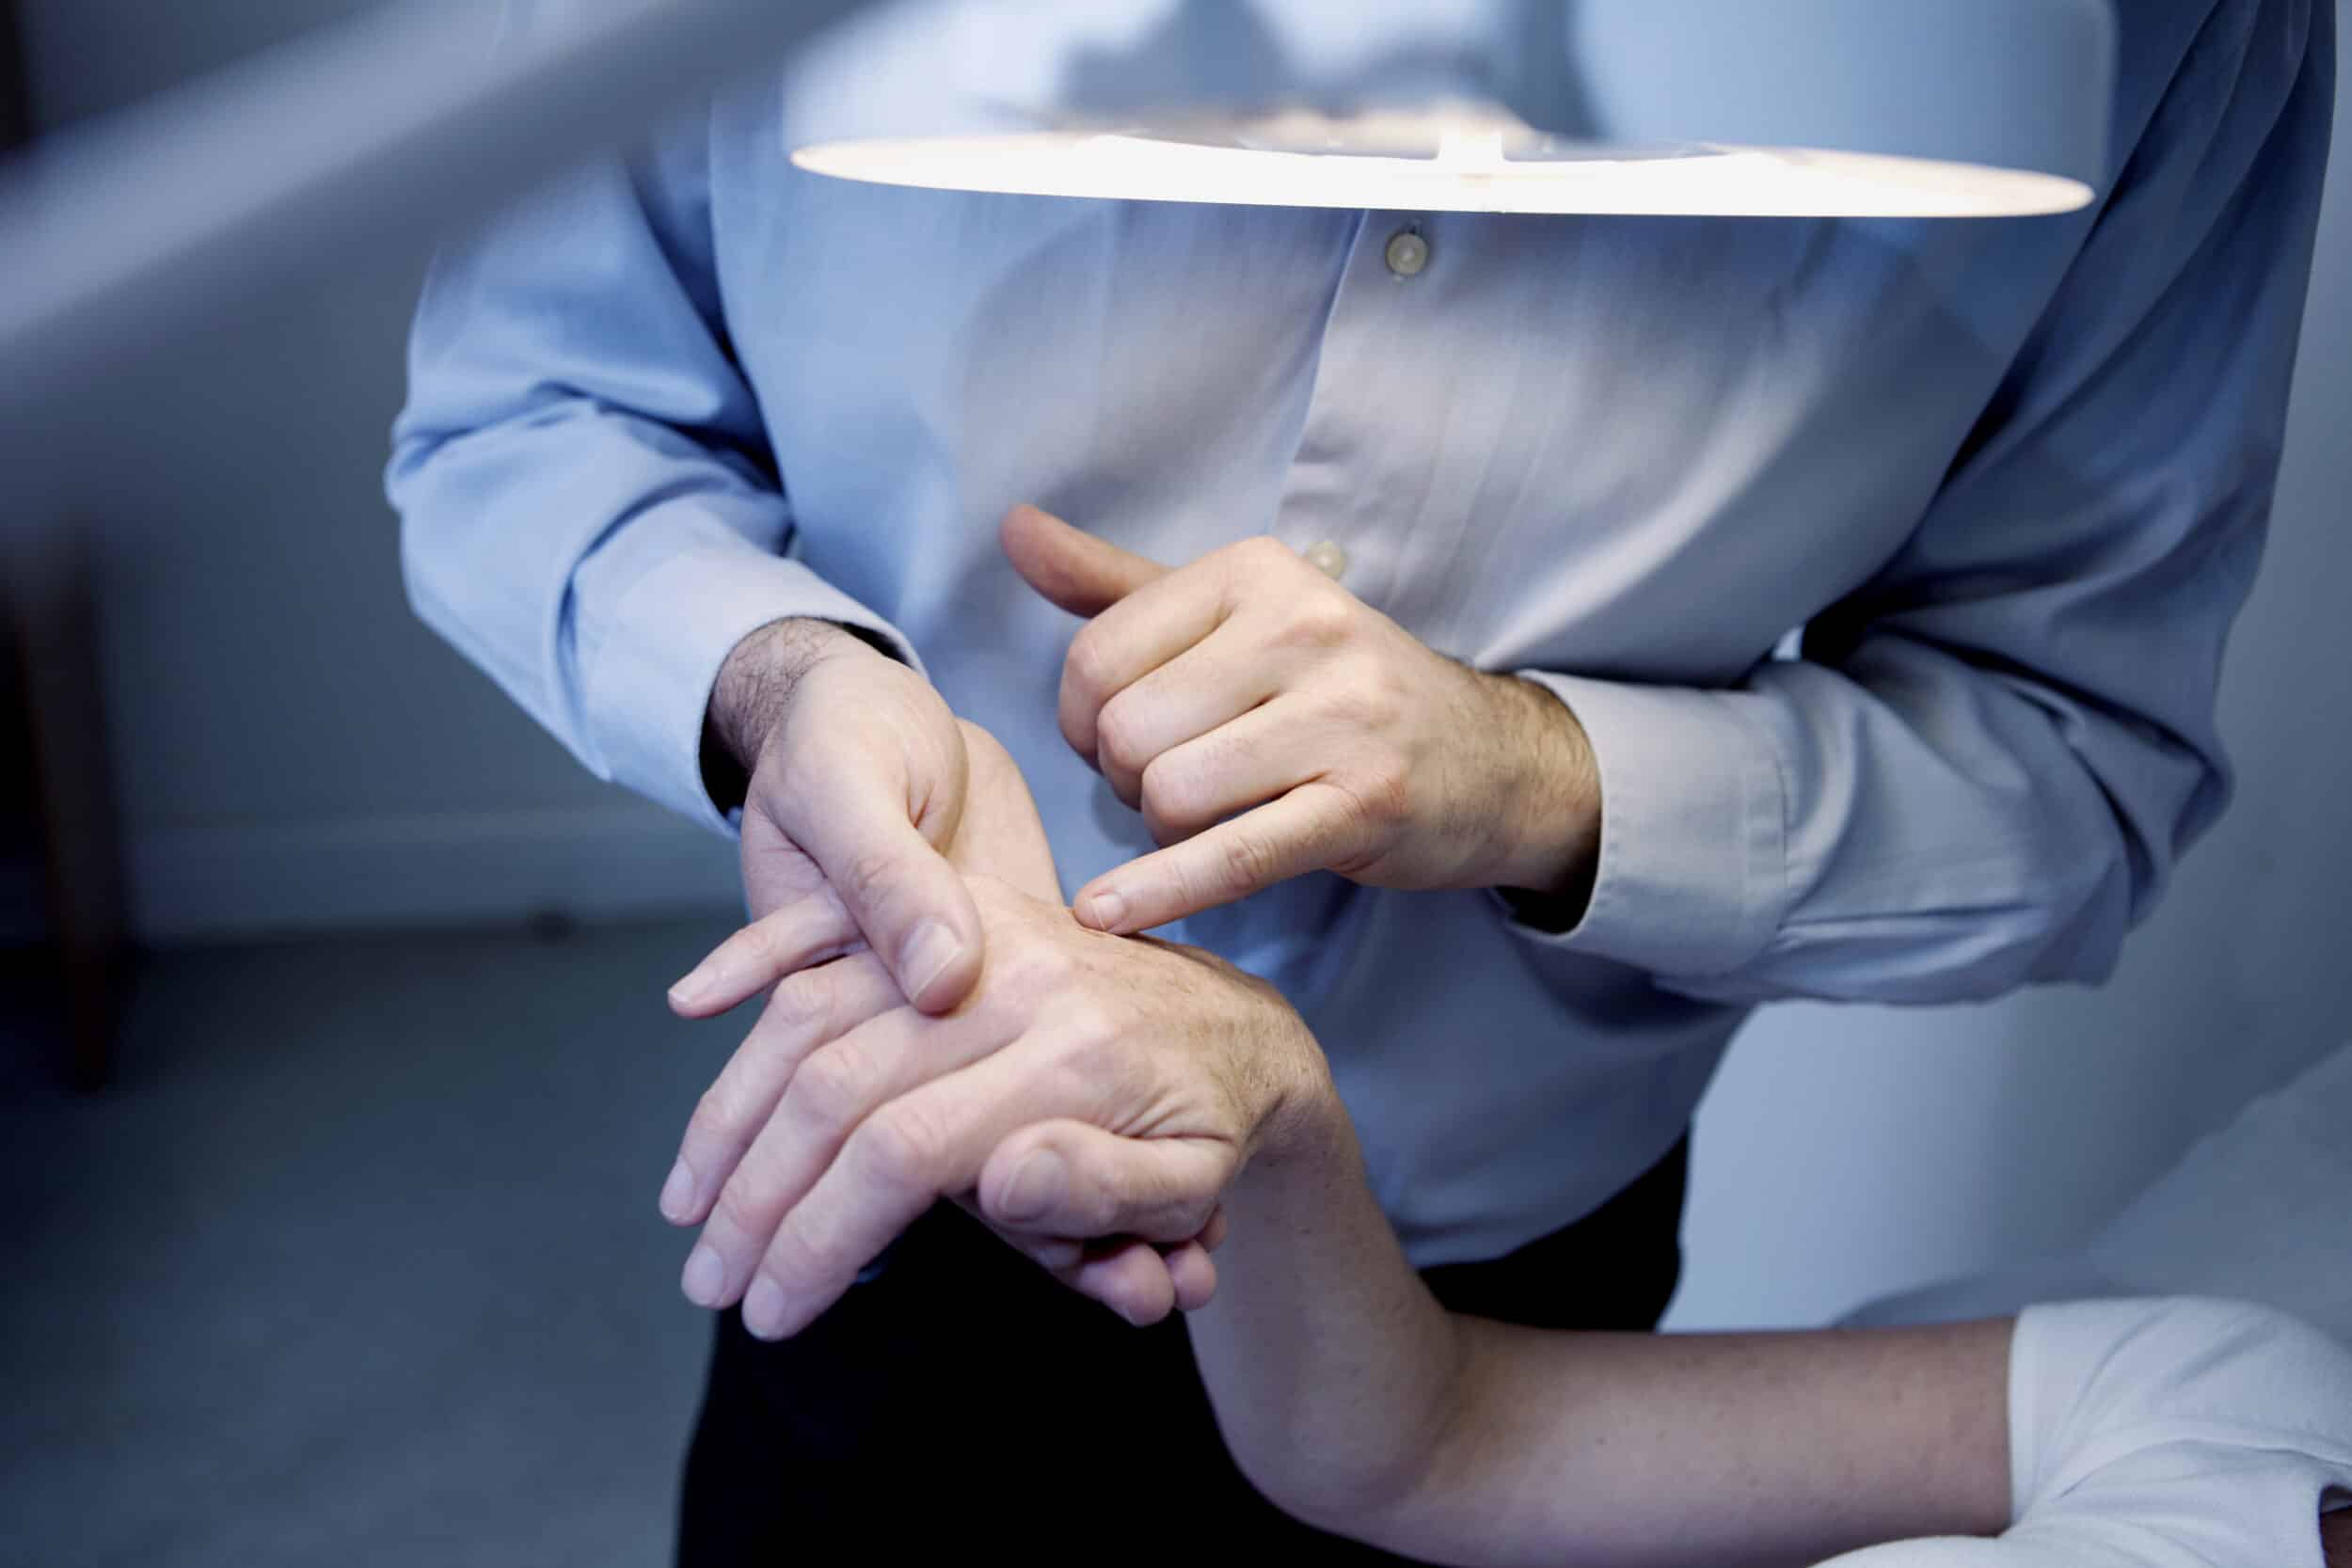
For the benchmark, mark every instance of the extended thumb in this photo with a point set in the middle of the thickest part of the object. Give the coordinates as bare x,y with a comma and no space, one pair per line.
1082,573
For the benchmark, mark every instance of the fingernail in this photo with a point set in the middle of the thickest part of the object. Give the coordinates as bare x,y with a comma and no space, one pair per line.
704,1277
1105,910
929,954
763,1308
678,1194
1035,1186
690,990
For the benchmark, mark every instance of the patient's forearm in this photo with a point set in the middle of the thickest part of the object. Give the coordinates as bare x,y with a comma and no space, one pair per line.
1354,1401
1723,1449
1333,1371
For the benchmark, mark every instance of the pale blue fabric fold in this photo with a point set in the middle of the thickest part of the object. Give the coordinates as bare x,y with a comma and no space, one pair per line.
2011,476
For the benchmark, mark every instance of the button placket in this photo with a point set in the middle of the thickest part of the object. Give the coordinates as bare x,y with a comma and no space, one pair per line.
1355,473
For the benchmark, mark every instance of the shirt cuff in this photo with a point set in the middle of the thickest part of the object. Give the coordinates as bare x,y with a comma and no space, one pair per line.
648,673
1691,880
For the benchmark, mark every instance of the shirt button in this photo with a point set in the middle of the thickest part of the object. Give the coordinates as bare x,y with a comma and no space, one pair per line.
1408,253
1326,557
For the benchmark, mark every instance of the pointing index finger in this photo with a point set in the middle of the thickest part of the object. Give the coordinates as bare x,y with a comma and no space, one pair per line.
1300,832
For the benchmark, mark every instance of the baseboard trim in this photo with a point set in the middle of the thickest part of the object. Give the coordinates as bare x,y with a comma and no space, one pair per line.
593,864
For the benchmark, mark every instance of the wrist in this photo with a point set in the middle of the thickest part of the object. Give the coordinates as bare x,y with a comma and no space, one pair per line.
1547,824
1306,1125
754,687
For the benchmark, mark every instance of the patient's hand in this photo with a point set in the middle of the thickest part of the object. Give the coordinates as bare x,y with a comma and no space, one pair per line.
736,1140
1093,1036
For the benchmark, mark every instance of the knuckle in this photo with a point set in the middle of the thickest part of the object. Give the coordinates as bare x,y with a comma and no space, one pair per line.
1346,705
1367,696
717,1114
1320,621
1092,1207
754,945
1245,861
1174,797
1086,670
1118,737
1098,1054
1261,550
866,874
747,1205
1176,1212
766,942
1055,1255
794,1259
804,1002
1099,1062
830,1087
1192,1212
901,1148
1380,794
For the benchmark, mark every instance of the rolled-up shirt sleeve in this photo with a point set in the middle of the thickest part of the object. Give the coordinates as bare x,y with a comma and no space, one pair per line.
1981,769
588,508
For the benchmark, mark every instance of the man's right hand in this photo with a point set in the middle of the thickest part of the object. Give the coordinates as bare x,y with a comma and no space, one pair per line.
857,777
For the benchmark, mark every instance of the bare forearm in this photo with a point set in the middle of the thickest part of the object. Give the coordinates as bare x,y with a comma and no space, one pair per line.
1332,1370
1750,1449
1354,1401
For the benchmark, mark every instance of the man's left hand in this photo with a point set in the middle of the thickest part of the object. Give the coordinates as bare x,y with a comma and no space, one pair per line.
1267,723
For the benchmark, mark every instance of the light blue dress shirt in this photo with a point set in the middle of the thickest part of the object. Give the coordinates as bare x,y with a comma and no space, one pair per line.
2011,477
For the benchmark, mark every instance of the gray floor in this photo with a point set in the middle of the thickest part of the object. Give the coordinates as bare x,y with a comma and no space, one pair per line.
358,1261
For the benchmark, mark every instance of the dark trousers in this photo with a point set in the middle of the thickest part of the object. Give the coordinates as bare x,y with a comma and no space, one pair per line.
963,1405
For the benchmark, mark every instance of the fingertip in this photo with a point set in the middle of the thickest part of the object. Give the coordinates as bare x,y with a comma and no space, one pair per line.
1056,1256
1150,1301
938,967
1131,1281
1086,908
1033,1189
946,990
688,995
704,1279
1102,908
998,1172
1192,1277
1018,520
677,1201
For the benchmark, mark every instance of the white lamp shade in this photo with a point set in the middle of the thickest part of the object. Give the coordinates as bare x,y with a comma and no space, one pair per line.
1894,108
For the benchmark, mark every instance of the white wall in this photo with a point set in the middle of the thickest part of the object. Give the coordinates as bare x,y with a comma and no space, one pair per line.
296,751
1844,1152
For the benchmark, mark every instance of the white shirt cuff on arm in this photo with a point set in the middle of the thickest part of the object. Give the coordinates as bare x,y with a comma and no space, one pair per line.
1691,880
647,674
